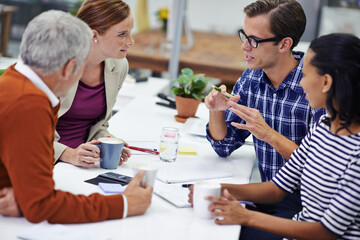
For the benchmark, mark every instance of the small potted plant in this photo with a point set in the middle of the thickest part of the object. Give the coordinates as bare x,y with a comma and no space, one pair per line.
162,16
189,90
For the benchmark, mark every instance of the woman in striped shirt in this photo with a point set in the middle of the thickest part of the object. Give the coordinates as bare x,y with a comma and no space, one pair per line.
326,166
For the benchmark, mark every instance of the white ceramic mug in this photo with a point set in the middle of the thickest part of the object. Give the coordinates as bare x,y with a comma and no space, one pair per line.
150,173
202,190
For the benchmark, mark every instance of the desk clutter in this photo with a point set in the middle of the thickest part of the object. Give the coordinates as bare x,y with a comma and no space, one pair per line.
169,214
153,146
111,178
137,76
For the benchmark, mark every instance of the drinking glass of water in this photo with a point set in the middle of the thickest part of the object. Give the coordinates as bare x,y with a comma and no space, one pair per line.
169,144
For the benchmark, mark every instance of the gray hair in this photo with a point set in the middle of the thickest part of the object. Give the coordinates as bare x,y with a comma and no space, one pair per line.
52,39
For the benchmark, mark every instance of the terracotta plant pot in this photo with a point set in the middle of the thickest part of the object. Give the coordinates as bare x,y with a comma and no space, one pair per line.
186,107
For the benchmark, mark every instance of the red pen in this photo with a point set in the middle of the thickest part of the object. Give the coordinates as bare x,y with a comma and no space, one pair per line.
144,150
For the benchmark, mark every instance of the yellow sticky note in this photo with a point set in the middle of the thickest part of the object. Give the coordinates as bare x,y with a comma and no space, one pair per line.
186,151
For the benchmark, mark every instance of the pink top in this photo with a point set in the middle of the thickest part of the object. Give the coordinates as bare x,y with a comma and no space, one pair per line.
88,107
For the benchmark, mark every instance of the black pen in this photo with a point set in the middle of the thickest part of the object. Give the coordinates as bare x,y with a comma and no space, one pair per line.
186,185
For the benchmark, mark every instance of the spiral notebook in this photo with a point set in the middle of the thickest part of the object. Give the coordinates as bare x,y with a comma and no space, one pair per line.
182,172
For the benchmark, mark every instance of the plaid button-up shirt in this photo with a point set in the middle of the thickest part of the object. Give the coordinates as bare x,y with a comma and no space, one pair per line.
284,109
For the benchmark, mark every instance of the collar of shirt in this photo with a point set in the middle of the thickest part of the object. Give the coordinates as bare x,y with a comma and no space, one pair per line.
25,70
292,80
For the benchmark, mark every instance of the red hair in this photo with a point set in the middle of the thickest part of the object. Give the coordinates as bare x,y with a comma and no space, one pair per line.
100,15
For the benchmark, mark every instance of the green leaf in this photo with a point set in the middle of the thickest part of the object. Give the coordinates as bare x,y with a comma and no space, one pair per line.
184,80
177,91
187,89
187,71
199,76
197,96
190,85
199,84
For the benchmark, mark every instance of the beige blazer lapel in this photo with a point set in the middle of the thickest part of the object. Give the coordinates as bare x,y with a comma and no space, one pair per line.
67,101
111,76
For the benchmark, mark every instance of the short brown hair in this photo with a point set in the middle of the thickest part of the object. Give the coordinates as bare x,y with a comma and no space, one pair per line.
100,15
287,17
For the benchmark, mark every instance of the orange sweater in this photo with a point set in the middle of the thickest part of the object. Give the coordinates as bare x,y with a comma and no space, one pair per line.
27,127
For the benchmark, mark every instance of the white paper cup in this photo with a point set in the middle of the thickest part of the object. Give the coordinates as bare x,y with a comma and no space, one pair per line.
202,190
150,173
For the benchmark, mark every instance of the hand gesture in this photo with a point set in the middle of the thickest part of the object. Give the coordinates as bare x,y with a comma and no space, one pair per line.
231,211
139,198
255,123
216,101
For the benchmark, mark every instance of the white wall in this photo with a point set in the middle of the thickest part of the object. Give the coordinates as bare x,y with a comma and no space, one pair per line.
217,16
224,16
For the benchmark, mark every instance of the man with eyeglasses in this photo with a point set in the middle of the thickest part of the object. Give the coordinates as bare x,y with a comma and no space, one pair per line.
267,100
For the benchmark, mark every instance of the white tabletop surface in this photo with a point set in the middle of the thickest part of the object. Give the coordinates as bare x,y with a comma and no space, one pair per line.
6,62
140,119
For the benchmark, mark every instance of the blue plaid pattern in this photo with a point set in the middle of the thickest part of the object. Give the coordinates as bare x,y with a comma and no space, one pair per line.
284,109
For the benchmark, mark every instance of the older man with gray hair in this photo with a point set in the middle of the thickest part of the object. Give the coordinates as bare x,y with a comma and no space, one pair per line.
53,54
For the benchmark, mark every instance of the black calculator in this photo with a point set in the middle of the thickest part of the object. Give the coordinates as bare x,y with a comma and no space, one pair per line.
116,177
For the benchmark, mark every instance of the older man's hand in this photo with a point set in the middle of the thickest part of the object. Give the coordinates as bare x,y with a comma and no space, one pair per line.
8,204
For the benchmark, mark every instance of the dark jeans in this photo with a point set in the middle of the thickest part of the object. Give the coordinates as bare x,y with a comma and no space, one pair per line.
287,208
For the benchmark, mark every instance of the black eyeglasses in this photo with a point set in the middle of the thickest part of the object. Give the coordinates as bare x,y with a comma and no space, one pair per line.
254,42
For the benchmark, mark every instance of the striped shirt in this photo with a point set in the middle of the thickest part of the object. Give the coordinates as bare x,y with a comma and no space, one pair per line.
328,168
284,109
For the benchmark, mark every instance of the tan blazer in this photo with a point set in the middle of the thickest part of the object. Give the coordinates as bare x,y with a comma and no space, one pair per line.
115,72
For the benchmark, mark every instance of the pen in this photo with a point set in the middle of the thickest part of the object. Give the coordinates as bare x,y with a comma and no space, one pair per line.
248,203
144,150
219,90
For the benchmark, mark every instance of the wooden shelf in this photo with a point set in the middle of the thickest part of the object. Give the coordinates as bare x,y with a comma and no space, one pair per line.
218,56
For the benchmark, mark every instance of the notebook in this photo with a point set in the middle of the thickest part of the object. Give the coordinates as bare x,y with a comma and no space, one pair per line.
195,126
181,172
173,193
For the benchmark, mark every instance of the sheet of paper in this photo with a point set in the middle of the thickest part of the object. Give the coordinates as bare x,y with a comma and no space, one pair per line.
180,172
195,126
173,193
46,231
111,187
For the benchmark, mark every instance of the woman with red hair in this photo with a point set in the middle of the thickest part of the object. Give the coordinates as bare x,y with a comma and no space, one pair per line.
85,111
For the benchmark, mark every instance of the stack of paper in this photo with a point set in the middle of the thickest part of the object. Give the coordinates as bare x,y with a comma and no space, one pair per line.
181,172
173,193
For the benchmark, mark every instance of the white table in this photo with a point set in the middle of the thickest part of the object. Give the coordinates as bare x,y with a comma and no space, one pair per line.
130,90
6,62
140,119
